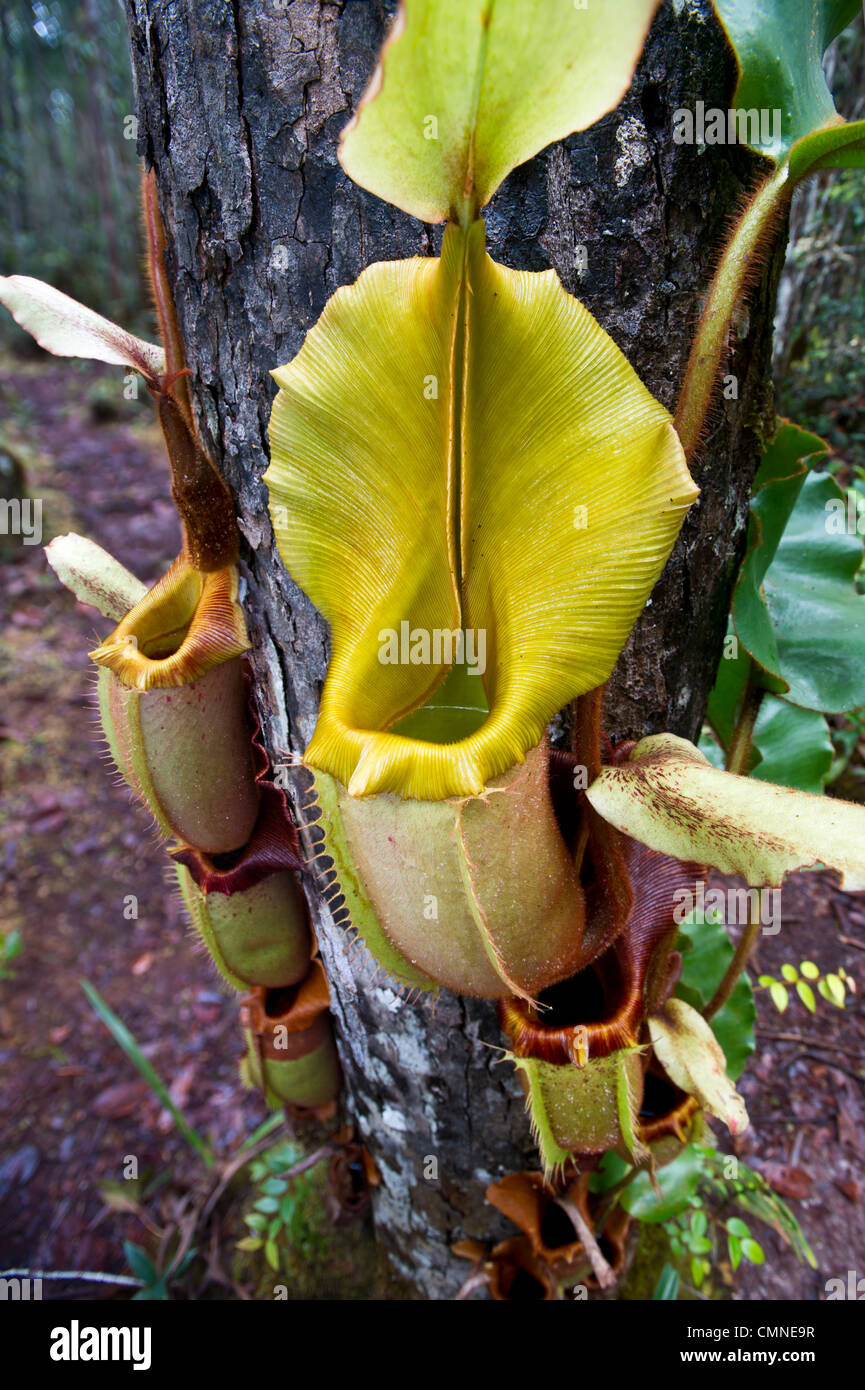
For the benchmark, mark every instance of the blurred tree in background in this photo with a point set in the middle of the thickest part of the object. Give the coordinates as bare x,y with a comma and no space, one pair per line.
820,323
68,166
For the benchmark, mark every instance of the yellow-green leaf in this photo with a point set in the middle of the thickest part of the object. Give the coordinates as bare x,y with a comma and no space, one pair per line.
670,797
249,1243
691,1056
468,89
459,449
780,997
806,994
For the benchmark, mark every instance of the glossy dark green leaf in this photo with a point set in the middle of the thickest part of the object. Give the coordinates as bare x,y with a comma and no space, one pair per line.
706,952
779,47
791,746
817,615
795,607
794,745
780,478
139,1262
678,1183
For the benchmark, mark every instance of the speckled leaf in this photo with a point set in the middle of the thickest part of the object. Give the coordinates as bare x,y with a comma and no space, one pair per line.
691,1056
93,575
669,796
68,329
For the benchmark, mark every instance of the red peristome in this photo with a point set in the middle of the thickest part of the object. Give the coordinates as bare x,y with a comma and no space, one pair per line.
622,985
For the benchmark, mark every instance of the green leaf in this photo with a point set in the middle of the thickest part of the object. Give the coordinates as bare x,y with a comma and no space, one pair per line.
780,997
751,1193
699,1223
734,1246
261,1132
667,1287
155,1293
691,1056
122,1036
256,1220
837,991
779,47
810,970
706,952
817,614
677,1183
271,1254
753,1252
468,89
139,1262
11,946
457,479
668,796
737,1227
609,1171
274,1187
267,1205
777,485
698,1271
790,973
250,1243
840,147
68,329
794,746
806,994
790,746
795,606
283,1155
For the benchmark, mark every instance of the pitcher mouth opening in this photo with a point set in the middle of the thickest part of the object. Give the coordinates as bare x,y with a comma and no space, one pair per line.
590,1015
666,1110
185,625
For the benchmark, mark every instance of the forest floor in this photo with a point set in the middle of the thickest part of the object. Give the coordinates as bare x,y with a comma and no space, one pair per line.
84,881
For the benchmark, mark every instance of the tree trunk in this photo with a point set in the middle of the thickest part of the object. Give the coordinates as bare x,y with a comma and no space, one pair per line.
240,108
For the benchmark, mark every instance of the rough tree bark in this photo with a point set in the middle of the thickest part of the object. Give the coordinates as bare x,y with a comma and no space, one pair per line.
240,107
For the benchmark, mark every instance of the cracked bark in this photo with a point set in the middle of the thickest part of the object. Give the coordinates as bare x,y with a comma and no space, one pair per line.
240,108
